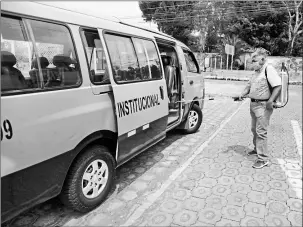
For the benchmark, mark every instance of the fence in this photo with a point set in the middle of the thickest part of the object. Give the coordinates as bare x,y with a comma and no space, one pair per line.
217,67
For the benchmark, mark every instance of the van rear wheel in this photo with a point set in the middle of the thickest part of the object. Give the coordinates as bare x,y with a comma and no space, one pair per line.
194,119
89,180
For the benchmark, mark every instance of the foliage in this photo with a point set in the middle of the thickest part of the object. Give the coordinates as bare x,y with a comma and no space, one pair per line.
244,24
166,14
295,21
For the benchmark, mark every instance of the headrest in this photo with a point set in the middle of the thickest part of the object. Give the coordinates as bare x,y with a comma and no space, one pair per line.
43,63
166,59
58,60
8,59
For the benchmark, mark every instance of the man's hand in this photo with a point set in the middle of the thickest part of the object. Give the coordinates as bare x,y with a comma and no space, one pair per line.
269,105
238,98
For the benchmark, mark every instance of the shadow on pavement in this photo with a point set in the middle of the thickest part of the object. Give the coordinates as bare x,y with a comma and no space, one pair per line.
238,149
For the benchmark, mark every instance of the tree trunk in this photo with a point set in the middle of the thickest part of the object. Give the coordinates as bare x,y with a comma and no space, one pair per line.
291,45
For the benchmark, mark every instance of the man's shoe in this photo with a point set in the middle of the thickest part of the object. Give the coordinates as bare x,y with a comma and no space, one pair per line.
253,152
260,164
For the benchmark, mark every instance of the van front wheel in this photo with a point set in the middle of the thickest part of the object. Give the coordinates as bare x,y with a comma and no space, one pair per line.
89,180
194,119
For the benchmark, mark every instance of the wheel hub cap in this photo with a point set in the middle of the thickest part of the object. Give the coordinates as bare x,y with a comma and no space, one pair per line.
94,179
192,119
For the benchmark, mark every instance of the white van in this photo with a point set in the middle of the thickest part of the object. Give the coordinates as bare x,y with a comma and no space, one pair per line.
82,95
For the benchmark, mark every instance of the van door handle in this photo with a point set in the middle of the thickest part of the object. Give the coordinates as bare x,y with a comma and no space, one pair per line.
191,82
161,92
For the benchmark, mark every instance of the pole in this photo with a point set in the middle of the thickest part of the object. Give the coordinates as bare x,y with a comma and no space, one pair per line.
221,62
232,59
29,55
215,62
227,62
211,61
13,47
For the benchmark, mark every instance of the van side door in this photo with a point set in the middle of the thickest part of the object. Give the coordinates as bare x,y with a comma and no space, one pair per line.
141,101
194,83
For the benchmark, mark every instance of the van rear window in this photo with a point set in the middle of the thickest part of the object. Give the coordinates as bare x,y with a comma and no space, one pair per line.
60,67
16,56
46,59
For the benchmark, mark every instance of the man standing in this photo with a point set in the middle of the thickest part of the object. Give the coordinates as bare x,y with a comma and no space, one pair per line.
263,89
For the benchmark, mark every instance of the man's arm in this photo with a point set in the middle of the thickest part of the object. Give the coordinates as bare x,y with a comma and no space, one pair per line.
245,91
274,95
275,81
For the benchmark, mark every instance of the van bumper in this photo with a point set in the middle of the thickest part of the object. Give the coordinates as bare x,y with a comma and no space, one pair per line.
201,103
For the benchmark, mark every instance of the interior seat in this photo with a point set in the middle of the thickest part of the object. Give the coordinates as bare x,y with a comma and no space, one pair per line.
11,78
66,74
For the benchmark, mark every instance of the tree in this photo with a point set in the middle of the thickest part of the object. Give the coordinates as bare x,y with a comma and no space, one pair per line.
272,25
295,21
176,18
263,26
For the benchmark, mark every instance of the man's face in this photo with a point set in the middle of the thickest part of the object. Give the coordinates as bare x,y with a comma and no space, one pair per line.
258,61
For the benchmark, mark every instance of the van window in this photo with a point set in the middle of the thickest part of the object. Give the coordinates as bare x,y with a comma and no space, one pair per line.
191,63
59,65
95,57
154,60
123,58
16,56
142,57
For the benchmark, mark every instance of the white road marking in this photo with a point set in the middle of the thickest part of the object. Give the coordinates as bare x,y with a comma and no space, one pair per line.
298,137
298,191
154,196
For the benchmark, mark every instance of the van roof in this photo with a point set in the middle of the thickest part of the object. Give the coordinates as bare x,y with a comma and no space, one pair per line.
155,32
147,29
42,10
103,17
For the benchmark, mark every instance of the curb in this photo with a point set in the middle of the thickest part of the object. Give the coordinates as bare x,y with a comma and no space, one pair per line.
245,79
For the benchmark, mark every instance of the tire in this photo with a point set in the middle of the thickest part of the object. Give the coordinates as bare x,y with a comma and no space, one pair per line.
73,194
194,113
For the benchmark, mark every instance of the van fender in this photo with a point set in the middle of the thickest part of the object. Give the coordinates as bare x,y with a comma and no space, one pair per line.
187,108
105,137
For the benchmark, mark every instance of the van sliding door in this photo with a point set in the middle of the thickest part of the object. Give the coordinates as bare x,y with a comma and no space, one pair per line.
139,91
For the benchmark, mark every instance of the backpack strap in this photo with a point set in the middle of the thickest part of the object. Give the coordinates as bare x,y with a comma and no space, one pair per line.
270,87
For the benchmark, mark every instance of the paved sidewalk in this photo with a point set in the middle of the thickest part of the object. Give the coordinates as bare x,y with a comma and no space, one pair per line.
218,187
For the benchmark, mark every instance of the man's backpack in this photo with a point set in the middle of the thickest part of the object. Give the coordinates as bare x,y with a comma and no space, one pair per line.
282,99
